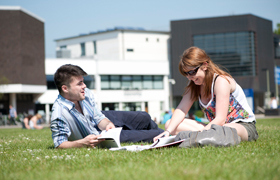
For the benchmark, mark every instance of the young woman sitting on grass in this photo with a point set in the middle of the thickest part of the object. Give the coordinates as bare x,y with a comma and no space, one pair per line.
31,122
220,98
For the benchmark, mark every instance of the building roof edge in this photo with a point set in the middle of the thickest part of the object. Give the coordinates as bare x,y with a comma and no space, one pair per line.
217,17
113,30
18,8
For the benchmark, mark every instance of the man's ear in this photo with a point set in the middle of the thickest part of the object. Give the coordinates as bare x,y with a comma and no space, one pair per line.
64,88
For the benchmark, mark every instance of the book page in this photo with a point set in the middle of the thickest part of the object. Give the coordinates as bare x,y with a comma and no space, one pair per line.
163,141
112,138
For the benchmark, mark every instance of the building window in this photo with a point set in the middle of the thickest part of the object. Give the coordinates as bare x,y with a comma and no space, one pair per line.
277,47
50,82
110,106
115,82
105,82
136,82
147,39
89,81
126,82
94,47
158,82
132,106
131,82
63,47
157,39
235,51
147,82
83,49
24,97
129,50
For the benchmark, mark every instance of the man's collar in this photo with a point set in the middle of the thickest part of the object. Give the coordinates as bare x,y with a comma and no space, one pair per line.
66,102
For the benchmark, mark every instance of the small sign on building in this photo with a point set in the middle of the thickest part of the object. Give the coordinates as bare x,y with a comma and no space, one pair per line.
277,75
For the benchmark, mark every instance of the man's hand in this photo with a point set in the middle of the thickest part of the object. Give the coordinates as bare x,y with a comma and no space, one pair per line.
106,124
88,141
92,141
110,126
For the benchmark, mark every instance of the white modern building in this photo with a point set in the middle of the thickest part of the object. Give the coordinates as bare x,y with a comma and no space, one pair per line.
128,69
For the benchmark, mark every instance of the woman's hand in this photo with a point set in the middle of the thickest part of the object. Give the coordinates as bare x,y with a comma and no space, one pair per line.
164,134
207,127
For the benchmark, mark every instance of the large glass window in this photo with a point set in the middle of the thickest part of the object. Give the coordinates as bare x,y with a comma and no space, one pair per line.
235,51
131,82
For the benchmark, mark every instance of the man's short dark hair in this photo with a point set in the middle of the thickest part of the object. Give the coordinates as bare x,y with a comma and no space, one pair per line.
64,74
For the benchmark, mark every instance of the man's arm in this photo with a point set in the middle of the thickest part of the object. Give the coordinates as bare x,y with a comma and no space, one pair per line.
89,141
105,124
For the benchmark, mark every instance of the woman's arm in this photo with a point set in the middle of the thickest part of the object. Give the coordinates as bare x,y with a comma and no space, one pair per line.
178,115
222,90
180,112
25,121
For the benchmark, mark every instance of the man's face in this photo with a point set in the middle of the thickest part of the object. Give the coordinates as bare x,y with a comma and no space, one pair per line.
76,90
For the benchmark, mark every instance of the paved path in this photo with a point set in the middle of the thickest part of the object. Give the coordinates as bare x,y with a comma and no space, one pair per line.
262,116
19,126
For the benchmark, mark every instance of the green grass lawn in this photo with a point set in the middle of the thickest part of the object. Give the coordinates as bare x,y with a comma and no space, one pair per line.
29,154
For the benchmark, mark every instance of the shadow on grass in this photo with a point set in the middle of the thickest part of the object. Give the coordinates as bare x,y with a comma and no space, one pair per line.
51,147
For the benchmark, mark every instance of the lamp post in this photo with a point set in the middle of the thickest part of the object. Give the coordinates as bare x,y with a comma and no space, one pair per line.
173,82
267,94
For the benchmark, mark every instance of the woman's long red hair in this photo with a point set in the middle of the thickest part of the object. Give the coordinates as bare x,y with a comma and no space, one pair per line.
193,57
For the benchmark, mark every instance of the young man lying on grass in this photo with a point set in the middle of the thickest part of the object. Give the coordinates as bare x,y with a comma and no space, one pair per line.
77,122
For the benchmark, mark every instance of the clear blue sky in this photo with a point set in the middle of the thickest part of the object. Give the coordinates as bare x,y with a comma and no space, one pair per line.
66,18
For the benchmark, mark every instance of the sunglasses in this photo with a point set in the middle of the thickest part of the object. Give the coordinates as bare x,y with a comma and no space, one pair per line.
192,72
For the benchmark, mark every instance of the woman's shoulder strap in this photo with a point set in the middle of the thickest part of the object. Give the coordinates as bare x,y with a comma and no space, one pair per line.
215,81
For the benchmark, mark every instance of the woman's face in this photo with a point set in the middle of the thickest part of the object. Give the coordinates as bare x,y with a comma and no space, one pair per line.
196,74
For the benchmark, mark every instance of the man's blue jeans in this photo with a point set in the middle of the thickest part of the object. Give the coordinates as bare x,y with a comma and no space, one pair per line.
137,125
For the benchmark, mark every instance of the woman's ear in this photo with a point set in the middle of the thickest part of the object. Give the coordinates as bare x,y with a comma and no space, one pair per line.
205,66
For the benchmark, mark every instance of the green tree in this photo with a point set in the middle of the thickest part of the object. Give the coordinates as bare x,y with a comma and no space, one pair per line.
277,31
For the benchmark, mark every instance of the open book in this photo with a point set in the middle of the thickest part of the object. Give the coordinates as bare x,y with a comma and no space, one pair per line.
161,142
112,141
112,138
